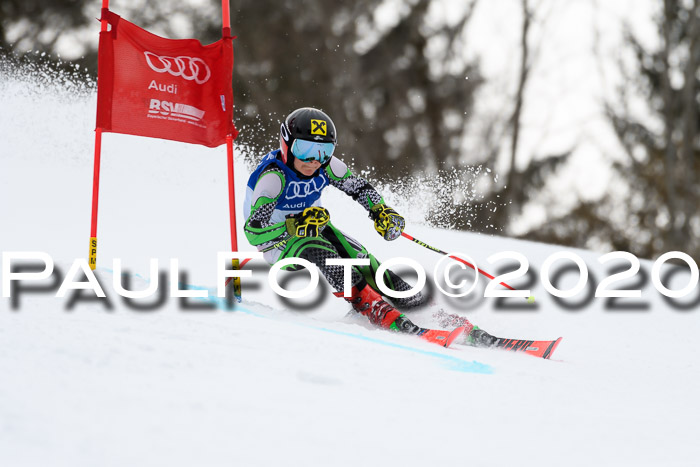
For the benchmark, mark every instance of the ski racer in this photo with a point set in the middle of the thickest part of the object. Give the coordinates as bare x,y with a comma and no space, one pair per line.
285,219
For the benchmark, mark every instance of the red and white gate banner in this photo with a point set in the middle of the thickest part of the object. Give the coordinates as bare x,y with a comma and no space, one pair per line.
176,89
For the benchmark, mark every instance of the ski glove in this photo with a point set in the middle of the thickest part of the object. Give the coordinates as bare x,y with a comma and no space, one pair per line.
387,222
308,223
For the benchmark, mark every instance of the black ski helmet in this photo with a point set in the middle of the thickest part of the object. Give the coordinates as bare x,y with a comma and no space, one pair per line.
307,124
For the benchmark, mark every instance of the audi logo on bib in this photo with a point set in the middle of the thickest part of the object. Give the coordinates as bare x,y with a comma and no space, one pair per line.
304,189
189,68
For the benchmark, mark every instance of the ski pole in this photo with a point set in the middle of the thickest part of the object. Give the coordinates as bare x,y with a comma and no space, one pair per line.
437,250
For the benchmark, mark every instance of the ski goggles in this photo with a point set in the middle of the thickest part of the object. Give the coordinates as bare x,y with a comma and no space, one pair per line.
307,151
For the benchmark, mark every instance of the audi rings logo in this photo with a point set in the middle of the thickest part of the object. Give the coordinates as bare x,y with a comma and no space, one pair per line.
304,189
189,68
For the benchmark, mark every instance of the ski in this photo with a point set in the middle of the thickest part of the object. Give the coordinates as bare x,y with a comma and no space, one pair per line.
479,338
542,349
441,337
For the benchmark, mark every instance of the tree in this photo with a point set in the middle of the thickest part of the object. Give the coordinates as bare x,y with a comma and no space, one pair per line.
496,207
39,24
394,105
662,165
654,206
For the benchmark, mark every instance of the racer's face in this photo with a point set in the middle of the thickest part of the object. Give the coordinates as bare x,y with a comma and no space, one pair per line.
306,168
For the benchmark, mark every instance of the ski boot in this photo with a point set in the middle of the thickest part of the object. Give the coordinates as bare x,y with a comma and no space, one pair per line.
480,338
400,285
366,301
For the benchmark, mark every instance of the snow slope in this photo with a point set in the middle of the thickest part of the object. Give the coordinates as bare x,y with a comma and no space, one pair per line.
97,382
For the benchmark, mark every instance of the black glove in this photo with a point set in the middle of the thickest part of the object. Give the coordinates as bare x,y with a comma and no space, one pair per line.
387,222
308,223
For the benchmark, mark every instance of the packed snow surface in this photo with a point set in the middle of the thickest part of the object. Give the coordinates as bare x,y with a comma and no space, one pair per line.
164,381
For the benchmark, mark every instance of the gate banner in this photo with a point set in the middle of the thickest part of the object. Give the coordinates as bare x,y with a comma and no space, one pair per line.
176,89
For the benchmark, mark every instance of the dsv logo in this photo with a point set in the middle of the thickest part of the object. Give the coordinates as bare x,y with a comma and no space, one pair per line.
189,68
304,189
